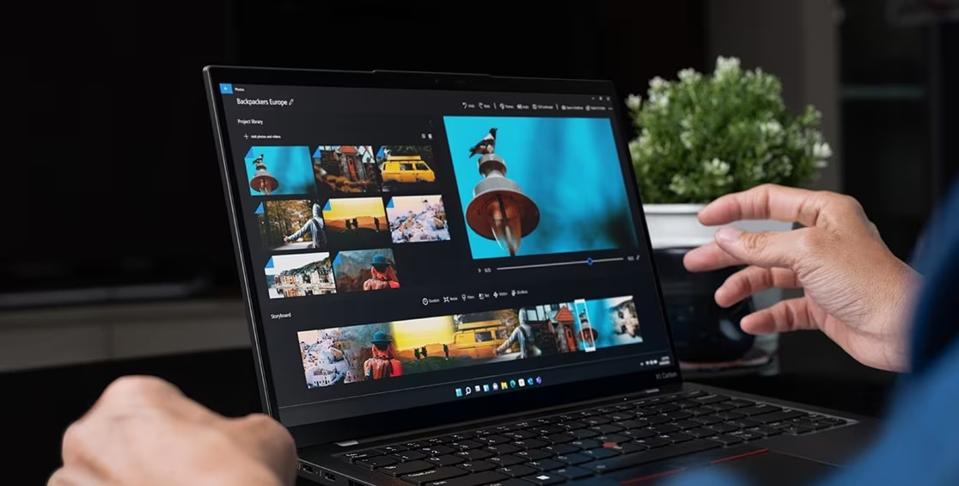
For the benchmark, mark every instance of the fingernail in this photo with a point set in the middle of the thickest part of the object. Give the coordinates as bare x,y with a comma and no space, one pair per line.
728,234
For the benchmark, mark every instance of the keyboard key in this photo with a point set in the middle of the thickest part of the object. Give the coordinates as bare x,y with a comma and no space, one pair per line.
601,453
632,448
632,460
502,449
657,419
687,424
477,479
446,460
545,478
506,460
412,455
474,455
494,439
573,472
406,468
739,403
378,461
517,471
545,464
358,455
640,433
575,458
760,409
748,436
531,444
477,466
583,434
707,419
700,433
466,445
533,454
780,416
606,429
708,399
438,450
653,442
723,428
678,437
392,449
559,449
664,428
586,444
424,477
727,439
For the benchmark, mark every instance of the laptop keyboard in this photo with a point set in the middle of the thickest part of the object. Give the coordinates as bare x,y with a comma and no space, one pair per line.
574,445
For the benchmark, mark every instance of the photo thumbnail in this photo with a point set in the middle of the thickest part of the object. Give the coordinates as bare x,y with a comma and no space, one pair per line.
417,218
363,270
279,171
533,186
299,275
615,321
346,169
340,355
406,168
295,224
355,222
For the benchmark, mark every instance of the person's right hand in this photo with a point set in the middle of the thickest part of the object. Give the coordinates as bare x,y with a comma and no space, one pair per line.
856,291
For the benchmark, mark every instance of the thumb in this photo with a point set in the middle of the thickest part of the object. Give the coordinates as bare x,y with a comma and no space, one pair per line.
763,248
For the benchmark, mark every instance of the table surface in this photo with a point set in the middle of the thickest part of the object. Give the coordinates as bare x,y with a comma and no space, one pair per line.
40,404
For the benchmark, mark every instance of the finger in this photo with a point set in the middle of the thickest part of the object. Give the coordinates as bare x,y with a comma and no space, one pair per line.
708,257
751,280
766,248
74,476
767,201
785,316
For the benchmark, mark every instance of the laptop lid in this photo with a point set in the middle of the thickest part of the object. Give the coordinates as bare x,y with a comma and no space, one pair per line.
418,249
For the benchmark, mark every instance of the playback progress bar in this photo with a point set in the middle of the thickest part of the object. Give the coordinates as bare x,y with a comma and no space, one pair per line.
588,261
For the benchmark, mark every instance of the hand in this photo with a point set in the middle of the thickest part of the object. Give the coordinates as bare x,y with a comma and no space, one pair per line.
856,291
287,239
143,431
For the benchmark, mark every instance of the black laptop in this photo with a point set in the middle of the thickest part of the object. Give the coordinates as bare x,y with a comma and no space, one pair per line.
449,282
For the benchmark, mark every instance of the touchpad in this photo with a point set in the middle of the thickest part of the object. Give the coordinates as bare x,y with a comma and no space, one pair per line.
775,468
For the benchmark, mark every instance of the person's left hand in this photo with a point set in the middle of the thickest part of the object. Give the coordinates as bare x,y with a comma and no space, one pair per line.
144,431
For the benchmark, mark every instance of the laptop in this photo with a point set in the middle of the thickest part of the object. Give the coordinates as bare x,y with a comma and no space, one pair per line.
449,281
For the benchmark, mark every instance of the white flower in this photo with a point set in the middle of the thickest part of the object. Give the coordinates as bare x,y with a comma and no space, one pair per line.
771,127
821,150
820,164
716,167
688,75
657,83
726,66
686,137
633,102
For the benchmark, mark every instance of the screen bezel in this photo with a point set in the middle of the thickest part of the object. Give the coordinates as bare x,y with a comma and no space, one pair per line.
421,417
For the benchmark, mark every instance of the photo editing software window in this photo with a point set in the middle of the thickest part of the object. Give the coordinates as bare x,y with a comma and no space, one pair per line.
414,247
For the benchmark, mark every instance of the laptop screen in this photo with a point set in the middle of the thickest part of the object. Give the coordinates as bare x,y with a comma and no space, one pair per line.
415,247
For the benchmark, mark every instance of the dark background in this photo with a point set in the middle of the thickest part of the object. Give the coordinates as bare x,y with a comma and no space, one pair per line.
113,196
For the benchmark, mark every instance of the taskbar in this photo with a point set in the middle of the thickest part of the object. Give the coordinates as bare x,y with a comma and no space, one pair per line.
436,393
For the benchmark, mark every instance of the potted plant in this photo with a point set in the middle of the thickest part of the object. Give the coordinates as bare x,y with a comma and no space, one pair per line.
702,136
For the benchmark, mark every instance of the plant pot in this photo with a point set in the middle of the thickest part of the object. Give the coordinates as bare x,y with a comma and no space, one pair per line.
705,335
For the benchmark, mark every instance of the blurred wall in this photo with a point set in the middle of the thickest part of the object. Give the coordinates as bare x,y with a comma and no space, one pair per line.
796,40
